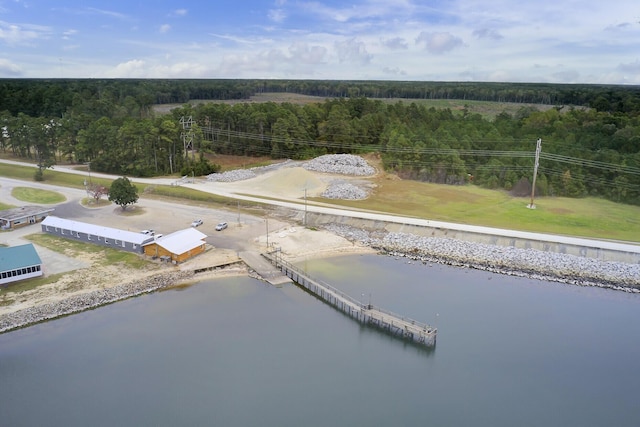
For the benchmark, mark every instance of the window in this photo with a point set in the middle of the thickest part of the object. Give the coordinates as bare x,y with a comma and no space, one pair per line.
107,241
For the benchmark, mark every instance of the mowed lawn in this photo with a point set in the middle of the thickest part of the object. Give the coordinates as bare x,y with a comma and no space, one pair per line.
587,217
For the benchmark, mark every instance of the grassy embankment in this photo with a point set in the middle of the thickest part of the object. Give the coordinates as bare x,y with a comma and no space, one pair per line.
587,217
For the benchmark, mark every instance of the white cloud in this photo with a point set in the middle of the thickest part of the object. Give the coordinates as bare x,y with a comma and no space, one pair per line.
277,15
352,50
438,43
165,28
8,68
129,69
307,54
109,13
395,71
180,12
488,33
395,43
18,34
68,34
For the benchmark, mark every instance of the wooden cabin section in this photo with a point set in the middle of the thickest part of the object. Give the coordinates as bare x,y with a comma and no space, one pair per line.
177,247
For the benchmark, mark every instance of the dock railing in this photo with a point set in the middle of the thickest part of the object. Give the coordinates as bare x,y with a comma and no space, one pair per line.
385,319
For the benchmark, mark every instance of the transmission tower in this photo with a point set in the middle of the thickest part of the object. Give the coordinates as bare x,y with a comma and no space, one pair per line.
186,135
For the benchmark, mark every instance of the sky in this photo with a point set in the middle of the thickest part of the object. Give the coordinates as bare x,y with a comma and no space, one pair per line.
548,41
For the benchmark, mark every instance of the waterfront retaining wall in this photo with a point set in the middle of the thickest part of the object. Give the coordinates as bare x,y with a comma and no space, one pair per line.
596,249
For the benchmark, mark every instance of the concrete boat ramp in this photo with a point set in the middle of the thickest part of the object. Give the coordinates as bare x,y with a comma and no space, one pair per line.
264,268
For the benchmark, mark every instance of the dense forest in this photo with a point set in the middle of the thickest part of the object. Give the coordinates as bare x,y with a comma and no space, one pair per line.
110,123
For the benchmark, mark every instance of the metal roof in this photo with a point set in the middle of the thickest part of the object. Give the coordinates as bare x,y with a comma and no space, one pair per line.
18,257
181,241
97,230
23,212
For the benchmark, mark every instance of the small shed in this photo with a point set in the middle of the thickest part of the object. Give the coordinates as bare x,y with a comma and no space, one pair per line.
178,246
19,263
25,215
97,234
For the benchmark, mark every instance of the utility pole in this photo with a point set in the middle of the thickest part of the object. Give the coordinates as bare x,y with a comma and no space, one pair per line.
305,206
535,172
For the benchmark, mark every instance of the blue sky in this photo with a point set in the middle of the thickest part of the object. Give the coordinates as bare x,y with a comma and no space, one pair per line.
556,41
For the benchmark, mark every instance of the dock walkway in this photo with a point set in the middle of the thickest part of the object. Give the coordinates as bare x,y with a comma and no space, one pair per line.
398,325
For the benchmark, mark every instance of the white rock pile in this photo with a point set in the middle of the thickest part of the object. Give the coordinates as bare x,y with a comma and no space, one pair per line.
344,164
232,175
509,260
341,190
242,174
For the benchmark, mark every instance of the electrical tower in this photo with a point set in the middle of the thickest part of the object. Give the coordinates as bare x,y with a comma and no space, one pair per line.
535,172
186,135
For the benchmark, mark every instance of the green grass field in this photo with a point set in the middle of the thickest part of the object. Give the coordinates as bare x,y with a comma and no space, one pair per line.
588,217
36,195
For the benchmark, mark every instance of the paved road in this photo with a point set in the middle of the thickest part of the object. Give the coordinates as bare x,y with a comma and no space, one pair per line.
297,204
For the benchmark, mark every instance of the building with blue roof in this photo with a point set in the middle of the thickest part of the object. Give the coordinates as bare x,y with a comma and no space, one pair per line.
19,263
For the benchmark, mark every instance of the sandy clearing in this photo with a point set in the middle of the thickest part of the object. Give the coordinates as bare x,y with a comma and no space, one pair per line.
288,182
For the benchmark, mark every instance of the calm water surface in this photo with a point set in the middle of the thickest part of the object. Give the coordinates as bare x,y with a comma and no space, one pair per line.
238,352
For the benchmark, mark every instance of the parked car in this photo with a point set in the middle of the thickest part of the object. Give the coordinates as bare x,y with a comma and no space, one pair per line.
196,223
148,232
221,226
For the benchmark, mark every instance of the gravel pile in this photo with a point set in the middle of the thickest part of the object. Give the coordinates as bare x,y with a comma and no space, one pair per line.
532,263
242,174
344,164
344,191
231,176
88,301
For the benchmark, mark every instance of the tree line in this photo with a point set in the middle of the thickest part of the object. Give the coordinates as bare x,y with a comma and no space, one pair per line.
110,124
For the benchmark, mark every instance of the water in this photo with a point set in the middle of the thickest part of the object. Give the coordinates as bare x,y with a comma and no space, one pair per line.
238,352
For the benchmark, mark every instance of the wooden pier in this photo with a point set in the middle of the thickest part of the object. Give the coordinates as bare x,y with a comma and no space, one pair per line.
367,313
